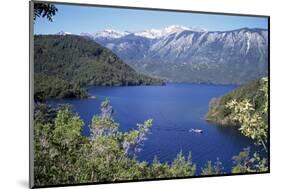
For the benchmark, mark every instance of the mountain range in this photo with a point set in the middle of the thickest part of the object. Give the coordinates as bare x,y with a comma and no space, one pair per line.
185,54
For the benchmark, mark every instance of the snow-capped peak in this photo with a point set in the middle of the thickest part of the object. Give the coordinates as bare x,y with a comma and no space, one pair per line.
63,33
149,33
177,28
109,33
174,29
157,33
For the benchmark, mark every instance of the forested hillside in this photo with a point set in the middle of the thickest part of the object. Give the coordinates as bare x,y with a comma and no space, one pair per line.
247,107
220,113
65,64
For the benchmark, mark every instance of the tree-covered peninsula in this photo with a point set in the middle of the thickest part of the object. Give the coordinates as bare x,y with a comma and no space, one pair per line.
218,111
65,64
246,107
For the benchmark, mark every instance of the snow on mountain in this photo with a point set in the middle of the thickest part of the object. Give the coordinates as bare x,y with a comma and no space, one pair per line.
186,54
63,33
152,33
158,33
109,33
177,28
148,33
229,56
181,43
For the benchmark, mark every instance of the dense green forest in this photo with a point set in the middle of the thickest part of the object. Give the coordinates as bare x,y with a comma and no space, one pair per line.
220,113
54,87
77,62
246,107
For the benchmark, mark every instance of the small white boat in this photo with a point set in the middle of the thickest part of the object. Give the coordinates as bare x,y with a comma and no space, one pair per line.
92,97
196,130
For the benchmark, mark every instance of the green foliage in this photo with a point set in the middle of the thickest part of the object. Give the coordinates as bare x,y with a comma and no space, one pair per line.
102,126
253,121
53,87
159,170
221,114
44,10
67,128
247,107
132,140
56,147
73,62
210,169
44,113
244,163
254,124
182,167
63,156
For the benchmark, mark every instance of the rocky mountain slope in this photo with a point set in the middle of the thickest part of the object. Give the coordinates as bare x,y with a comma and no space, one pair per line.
183,54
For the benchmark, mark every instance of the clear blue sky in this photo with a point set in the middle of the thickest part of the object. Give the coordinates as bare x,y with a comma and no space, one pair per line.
77,19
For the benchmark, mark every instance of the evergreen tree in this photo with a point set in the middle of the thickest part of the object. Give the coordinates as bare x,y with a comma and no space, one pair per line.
210,169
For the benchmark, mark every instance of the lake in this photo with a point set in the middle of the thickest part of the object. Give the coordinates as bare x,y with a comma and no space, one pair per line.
175,109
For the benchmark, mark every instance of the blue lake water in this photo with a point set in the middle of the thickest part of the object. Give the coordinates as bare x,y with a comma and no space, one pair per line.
175,109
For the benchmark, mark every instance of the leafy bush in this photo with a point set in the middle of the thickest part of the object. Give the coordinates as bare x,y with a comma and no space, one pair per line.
210,169
245,163
252,118
64,156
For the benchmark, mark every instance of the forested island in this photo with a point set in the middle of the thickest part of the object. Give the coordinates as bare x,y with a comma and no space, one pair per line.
65,65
